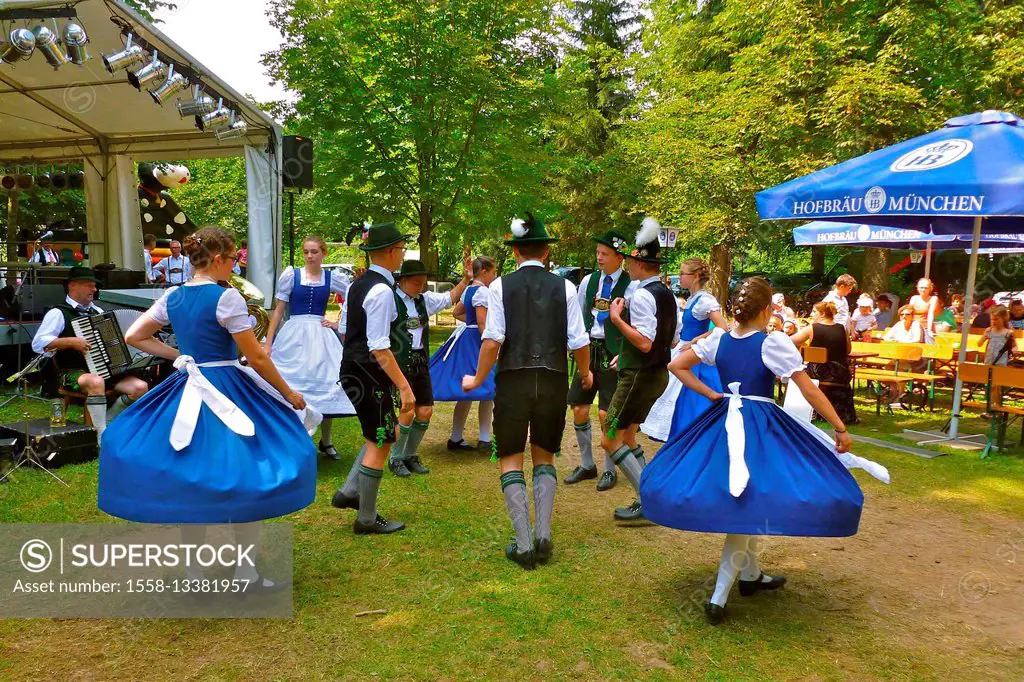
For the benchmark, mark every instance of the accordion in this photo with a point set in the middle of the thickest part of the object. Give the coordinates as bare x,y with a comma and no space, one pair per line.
108,354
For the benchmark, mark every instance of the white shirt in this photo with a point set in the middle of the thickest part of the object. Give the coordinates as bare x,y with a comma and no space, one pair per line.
900,334
778,352
495,331
232,313
286,282
643,310
46,256
702,304
435,304
172,263
597,329
147,259
842,315
381,311
53,325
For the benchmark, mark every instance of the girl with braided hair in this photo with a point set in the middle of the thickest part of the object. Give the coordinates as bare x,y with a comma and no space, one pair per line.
745,467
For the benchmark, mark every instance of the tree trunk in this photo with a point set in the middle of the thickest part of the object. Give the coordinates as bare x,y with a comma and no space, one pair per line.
721,271
818,260
428,254
876,272
12,235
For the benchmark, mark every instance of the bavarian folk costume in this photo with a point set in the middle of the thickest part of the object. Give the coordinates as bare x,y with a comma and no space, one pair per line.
677,407
175,269
747,468
45,256
596,293
417,368
307,354
651,310
214,443
457,358
535,316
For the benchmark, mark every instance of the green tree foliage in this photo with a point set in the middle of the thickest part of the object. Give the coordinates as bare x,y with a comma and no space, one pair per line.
147,8
216,194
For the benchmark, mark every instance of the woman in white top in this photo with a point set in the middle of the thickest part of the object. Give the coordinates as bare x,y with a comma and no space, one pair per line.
308,351
926,306
906,329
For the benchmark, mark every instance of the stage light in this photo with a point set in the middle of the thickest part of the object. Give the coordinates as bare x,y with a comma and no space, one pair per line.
20,44
75,39
126,58
76,180
24,181
149,74
49,46
199,104
218,119
58,181
8,182
237,129
43,181
174,84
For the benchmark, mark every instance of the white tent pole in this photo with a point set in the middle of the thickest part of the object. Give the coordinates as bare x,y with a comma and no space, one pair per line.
972,270
928,261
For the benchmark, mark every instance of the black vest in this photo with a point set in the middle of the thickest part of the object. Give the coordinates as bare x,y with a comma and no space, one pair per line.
356,346
66,358
612,336
661,348
536,326
421,321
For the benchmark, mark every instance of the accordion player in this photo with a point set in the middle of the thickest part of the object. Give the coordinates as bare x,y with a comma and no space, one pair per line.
93,363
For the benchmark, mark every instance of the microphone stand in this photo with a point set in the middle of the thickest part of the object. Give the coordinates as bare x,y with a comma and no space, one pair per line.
21,389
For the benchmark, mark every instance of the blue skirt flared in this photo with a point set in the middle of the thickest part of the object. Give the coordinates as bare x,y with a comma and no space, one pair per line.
463,351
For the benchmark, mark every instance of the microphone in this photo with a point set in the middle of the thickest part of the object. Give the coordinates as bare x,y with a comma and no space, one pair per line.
46,235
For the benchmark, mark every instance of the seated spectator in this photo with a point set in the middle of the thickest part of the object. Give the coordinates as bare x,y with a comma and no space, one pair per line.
863,319
883,312
956,304
775,323
789,327
779,306
907,329
834,373
1016,314
984,320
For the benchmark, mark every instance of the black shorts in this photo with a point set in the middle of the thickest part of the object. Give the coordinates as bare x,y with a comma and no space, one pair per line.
635,394
372,394
604,380
418,375
529,402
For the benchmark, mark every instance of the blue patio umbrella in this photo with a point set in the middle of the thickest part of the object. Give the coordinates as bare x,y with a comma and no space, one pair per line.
966,178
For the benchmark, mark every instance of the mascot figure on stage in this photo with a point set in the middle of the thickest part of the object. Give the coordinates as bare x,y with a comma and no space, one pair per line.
161,215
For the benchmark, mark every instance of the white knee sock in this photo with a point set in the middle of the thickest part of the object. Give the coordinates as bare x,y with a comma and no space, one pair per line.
459,417
486,412
325,430
97,407
193,535
734,559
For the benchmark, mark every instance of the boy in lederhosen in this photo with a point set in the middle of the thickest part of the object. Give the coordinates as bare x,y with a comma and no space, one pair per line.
375,337
532,316
419,306
647,318
596,293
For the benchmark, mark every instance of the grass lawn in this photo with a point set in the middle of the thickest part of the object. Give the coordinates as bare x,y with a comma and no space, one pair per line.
931,587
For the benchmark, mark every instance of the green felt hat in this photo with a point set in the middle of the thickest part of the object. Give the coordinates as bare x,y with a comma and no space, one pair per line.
614,240
529,231
80,273
411,268
647,248
381,236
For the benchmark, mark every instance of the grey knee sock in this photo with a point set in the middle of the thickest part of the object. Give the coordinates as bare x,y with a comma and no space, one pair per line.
513,487
609,463
585,439
119,406
627,461
351,487
97,407
638,452
545,481
416,433
398,450
369,484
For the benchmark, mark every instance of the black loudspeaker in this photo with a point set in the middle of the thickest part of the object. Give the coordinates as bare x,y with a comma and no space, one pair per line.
55,445
297,162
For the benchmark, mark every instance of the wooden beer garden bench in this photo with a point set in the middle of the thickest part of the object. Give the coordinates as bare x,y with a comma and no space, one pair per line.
885,370
1008,379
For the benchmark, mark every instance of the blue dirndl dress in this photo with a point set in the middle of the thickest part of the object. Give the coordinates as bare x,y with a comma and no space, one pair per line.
261,466
746,466
457,357
678,407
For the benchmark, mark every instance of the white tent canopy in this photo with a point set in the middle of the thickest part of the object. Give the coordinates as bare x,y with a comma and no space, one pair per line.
83,113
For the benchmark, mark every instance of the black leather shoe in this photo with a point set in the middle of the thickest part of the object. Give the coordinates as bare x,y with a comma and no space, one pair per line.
416,466
343,501
714,613
328,451
380,526
484,446
752,587
543,549
461,445
398,468
634,512
608,481
580,474
524,559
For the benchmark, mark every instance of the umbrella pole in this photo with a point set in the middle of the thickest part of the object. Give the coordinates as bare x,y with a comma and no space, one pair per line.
972,271
928,261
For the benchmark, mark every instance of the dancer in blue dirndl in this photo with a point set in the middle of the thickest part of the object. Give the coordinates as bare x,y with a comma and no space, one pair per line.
216,442
677,406
458,357
745,467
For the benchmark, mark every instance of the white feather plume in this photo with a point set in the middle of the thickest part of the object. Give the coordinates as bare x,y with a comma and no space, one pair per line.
649,231
519,228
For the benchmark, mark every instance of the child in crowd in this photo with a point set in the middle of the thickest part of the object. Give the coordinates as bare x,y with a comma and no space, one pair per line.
844,285
775,323
883,312
999,343
789,327
864,321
